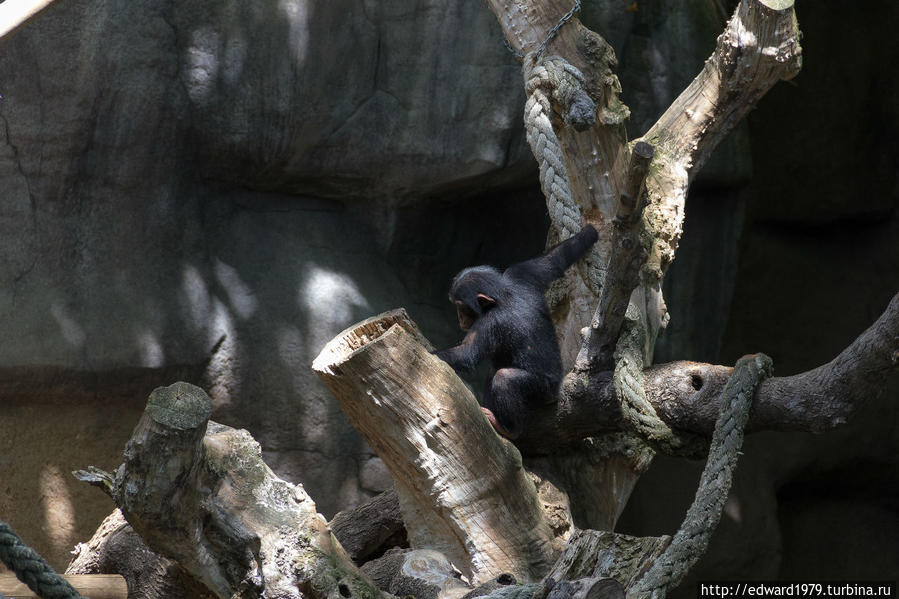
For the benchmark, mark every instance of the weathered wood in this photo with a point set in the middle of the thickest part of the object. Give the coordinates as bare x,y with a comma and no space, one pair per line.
687,395
116,548
599,555
627,257
94,586
364,529
758,48
588,588
14,13
450,468
200,494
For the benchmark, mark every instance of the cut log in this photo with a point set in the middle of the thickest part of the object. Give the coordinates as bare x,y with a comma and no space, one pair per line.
462,488
201,495
364,530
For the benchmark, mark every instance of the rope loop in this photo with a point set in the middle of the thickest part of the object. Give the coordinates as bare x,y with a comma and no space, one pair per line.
692,538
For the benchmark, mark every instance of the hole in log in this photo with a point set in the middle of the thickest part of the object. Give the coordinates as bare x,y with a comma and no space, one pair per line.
505,579
696,381
358,336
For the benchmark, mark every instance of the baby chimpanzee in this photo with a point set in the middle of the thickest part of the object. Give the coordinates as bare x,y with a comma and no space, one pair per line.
507,319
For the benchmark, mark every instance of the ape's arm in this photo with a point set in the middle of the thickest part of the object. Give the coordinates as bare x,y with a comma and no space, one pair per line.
550,266
466,356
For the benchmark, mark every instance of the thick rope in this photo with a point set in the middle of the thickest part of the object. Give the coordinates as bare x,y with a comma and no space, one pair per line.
30,568
547,80
638,413
692,539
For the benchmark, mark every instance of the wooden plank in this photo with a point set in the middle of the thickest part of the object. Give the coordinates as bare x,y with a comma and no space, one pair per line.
92,586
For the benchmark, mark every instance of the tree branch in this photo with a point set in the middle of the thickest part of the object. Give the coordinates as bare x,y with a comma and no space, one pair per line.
628,255
686,395
758,48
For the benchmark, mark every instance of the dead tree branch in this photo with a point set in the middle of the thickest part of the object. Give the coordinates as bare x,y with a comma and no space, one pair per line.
202,495
366,528
686,395
628,256
449,466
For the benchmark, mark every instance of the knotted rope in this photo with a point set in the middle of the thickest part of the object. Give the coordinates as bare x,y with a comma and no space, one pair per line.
550,80
30,568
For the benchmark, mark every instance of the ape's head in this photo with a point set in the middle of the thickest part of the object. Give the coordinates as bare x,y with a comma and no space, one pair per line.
474,291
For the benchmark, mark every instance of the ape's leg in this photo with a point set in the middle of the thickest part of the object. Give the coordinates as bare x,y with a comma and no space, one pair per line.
509,395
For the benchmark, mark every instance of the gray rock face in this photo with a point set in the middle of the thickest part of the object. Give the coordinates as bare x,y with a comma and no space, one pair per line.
372,99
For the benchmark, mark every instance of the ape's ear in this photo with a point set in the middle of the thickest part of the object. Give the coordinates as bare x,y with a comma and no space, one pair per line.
485,301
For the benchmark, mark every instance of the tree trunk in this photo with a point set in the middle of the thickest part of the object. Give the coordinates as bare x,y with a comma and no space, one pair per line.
449,466
759,47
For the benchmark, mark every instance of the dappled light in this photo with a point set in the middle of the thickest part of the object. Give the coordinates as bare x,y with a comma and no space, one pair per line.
152,355
69,328
330,299
195,293
239,294
202,64
297,14
60,519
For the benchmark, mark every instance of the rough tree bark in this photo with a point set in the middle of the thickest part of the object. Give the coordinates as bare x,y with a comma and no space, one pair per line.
199,493
448,465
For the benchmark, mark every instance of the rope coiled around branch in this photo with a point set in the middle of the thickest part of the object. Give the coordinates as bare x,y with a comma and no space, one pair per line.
638,413
549,80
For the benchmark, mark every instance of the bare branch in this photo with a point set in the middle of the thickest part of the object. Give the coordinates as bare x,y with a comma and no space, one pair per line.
623,275
686,395
759,47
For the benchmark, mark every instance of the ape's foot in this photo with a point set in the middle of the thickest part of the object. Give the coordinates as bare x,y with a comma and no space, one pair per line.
499,428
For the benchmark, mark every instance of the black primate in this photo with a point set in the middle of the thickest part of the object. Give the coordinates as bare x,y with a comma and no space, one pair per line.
507,319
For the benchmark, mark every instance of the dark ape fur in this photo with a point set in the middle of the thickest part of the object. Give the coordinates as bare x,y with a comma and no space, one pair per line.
507,320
